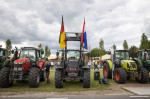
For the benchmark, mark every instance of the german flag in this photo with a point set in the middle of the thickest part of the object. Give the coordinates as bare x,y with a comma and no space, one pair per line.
62,37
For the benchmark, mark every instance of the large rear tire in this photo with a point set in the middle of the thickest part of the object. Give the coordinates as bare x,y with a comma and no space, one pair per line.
58,79
143,75
4,78
120,75
34,77
107,71
86,79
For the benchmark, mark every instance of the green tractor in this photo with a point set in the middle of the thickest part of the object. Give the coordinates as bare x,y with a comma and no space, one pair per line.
124,68
143,59
3,57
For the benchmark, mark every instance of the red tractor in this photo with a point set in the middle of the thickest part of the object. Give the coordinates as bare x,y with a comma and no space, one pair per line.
27,66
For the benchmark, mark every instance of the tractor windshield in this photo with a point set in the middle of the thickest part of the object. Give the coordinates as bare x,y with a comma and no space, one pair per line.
73,55
122,55
28,54
148,55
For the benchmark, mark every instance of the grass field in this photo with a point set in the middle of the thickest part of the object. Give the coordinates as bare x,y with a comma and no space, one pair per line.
68,85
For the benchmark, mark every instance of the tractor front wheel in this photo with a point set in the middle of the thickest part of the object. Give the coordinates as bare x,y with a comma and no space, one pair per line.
143,75
34,77
58,79
86,79
120,75
4,78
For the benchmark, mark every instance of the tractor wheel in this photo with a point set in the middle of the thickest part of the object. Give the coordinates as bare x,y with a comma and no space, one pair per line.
120,75
43,75
4,78
58,79
86,79
34,77
143,76
107,71
149,73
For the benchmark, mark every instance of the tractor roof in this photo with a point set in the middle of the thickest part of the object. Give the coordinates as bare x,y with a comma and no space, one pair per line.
30,48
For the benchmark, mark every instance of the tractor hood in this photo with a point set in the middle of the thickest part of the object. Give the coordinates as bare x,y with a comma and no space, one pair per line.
20,61
129,64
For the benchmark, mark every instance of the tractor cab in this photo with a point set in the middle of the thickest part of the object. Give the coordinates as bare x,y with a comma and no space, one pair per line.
144,56
122,59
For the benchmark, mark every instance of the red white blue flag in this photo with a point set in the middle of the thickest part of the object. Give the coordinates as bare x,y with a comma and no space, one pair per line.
84,36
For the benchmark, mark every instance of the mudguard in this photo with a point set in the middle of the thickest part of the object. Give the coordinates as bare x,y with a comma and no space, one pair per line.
85,68
109,63
59,68
138,61
6,63
41,64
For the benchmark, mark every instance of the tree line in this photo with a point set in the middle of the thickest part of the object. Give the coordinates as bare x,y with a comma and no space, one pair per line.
144,44
9,47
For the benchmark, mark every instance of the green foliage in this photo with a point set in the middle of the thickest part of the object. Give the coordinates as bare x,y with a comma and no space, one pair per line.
96,52
101,44
145,44
8,46
114,46
125,45
101,48
132,51
47,51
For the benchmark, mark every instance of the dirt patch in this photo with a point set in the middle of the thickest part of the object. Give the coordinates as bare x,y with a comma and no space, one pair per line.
113,90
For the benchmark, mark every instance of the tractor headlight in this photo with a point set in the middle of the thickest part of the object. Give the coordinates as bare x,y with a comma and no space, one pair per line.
20,69
15,69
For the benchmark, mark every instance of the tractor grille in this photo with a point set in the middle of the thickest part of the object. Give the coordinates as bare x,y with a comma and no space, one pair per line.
18,67
133,64
17,72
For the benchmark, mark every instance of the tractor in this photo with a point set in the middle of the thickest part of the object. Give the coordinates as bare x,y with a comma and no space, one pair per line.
143,59
3,57
27,65
72,65
124,68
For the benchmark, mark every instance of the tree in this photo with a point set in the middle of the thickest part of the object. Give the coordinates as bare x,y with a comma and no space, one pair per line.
101,48
132,51
125,45
8,46
144,42
47,51
101,44
114,46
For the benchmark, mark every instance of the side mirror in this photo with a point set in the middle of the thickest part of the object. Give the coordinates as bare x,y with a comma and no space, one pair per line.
42,52
57,54
144,56
4,52
12,51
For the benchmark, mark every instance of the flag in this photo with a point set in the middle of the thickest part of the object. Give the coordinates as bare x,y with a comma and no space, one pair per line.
62,36
84,36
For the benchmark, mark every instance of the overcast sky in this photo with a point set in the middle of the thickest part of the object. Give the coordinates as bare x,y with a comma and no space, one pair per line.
30,22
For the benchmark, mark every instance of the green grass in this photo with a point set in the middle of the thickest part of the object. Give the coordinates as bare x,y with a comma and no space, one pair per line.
68,85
